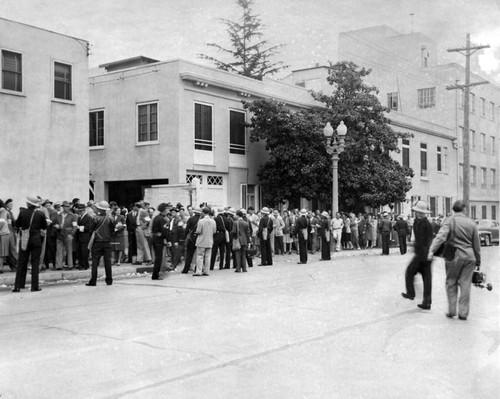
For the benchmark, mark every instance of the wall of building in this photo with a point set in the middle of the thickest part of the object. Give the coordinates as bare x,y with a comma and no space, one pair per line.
44,147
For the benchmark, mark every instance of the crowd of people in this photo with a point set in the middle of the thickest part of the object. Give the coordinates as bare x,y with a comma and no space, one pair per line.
66,235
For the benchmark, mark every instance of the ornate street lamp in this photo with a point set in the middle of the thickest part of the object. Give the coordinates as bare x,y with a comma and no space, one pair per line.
335,145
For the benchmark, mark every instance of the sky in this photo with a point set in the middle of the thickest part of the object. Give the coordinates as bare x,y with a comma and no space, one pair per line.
168,29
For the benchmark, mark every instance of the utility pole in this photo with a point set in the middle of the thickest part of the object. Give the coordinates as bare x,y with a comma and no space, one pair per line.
468,50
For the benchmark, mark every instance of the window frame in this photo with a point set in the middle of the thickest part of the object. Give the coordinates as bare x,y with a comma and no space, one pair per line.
483,106
236,148
492,111
473,175
426,97
493,177
148,104
21,73
97,111
405,153
203,144
484,177
393,101
439,158
493,144
482,141
424,173
69,64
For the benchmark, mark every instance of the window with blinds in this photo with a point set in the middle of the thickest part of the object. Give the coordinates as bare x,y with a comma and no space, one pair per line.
237,132
203,139
96,128
62,81
12,78
427,97
147,119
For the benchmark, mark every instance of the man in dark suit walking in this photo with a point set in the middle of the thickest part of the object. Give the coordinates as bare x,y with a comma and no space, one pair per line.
131,223
190,242
302,231
264,234
85,220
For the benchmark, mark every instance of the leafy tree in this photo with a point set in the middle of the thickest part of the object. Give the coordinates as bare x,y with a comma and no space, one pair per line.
298,164
250,56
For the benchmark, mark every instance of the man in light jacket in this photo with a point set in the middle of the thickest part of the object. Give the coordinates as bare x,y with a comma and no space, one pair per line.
204,242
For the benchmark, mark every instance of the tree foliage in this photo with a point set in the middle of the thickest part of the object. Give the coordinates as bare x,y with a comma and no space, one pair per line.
251,56
298,164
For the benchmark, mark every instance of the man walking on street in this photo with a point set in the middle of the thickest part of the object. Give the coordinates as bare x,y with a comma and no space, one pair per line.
422,231
401,227
459,271
302,230
264,234
385,229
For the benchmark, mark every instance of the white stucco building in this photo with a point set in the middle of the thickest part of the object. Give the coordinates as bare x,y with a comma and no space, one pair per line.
43,114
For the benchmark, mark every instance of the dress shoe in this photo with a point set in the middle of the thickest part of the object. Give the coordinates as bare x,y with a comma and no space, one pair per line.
425,307
16,290
462,318
301,263
137,263
411,298
90,285
237,271
157,278
35,290
449,315
109,283
196,275
205,274
246,271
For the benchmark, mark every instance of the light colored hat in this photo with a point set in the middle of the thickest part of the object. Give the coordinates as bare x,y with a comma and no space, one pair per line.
231,211
265,210
243,211
401,216
384,214
303,211
103,206
197,210
421,206
66,203
33,200
221,210
325,214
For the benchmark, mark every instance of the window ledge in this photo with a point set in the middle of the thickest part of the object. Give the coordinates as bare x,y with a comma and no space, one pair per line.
13,93
146,143
424,178
96,147
61,101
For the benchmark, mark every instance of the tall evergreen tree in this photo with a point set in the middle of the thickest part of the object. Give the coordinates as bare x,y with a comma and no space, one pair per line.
249,53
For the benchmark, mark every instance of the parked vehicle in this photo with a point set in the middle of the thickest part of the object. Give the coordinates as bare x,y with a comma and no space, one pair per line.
488,231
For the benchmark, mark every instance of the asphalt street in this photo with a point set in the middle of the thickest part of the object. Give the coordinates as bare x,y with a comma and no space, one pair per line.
336,329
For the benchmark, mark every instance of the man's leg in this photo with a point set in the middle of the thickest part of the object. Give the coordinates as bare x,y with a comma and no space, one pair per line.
465,283
68,242
200,254
207,254
157,263
411,271
263,252
59,253
107,263
426,271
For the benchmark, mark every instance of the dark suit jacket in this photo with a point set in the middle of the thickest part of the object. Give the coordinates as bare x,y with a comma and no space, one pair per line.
131,222
241,229
85,221
68,228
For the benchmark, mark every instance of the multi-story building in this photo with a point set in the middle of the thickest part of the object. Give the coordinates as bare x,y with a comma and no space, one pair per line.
156,123
413,85
43,114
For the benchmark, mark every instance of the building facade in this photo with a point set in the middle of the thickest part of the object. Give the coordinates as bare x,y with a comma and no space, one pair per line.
413,86
43,114
164,123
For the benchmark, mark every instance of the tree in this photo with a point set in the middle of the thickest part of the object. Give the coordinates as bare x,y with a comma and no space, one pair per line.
368,175
250,56
298,164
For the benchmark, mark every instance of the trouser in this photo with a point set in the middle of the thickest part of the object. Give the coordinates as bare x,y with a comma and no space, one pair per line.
101,249
13,254
271,240
229,251
355,238
50,251
362,240
34,250
64,244
266,253
240,258
219,245
422,266
177,254
132,245
203,256
256,242
302,248
402,243
190,251
143,253
42,254
386,240
84,254
459,274
325,248
158,258
336,236
278,245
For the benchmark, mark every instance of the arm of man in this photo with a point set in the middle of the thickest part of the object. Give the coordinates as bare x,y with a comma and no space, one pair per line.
440,238
476,245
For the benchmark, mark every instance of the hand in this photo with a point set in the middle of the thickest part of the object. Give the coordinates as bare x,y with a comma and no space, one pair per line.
57,226
176,244
430,256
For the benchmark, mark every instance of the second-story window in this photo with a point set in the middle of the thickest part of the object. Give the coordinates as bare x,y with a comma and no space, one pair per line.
483,107
427,97
493,144
96,128
406,153
12,78
423,160
392,101
62,81
472,139
492,111
147,122
203,139
439,159
237,132
472,103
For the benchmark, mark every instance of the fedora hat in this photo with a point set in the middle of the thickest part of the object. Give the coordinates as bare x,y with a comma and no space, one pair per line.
197,210
265,210
325,214
420,206
33,200
303,211
231,211
47,201
103,206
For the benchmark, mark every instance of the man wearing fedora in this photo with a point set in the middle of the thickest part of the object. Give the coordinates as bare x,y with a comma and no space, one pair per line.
324,231
190,242
422,231
302,231
102,228
66,226
204,242
385,229
30,221
219,239
401,228
264,234
85,220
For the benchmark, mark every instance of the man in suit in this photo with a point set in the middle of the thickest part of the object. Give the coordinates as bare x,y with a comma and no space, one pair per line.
160,230
85,220
34,221
401,227
66,227
50,236
302,230
241,231
142,220
385,229
131,223
190,241
204,242
219,239
264,234
459,271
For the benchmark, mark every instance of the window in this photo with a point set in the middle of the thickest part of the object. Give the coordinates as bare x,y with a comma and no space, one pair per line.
461,173
237,132
427,97
461,97
392,101
473,178
473,211
493,144
214,180
483,142
433,206
189,178
439,159
445,159
472,103
492,110
483,178
461,137
447,206
147,122
483,107
96,128
423,160
483,212
203,127
406,153
494,212
425,57
12,78
62,81
493,178
472,139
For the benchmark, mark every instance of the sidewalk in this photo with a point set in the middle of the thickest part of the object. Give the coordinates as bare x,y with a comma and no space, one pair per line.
129,270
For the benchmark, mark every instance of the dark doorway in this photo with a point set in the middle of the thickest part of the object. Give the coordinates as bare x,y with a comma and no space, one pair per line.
125,193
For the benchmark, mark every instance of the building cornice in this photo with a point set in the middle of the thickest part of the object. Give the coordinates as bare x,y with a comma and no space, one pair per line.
420,129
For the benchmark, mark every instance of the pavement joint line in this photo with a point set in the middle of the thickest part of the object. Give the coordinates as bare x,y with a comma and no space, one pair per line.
192,288
235,362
